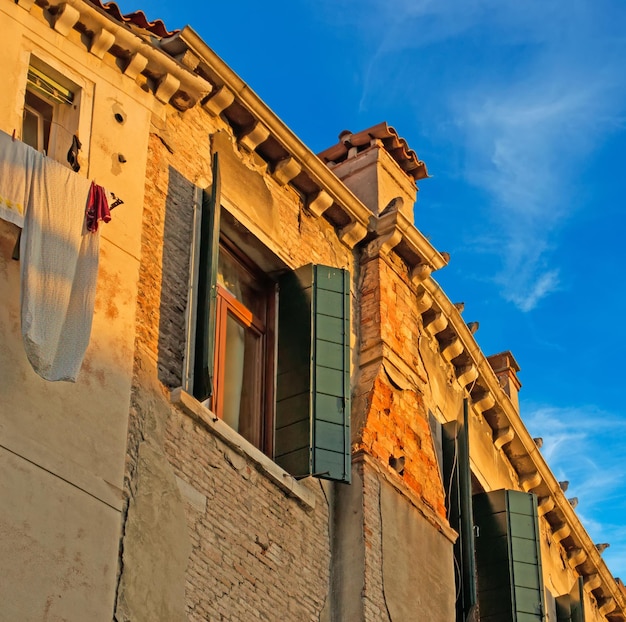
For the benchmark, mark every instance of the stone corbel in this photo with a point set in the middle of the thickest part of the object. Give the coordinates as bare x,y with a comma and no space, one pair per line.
320,203
575,557
503,436
606,605
466,374
65,19
485,402
424,301
437,324
452,350
352,234
545,505
561,532
136,65
286,170
221,100
420,273
530,481
254,137
101,43
168,85
386,228
592,581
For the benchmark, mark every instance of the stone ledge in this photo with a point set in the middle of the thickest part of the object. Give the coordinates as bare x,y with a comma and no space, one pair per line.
287,483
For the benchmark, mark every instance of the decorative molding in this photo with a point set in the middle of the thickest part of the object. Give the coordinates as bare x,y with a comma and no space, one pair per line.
286,170
452,350
545,505
606,605
466,374
421,272
437,324
575,557
219,101
101,43
66,19
530,481
168,85
320,203
136,65
385,225
257,134
561,532
485,402
503,436
352,234
423,301
592,581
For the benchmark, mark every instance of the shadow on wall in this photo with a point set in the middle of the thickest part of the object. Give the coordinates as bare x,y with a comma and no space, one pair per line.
177,236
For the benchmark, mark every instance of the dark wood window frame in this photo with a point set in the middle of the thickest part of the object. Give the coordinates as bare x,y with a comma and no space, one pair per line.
264,328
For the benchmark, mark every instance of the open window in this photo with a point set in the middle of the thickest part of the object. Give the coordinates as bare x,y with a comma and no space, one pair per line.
269,347
50,113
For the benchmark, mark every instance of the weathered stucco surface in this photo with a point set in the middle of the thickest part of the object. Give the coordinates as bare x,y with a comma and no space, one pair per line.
414,554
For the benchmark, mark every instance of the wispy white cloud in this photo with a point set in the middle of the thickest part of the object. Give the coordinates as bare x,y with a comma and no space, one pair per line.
583,445
532,90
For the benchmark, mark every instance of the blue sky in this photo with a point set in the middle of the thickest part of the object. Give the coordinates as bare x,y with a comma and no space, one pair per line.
519,111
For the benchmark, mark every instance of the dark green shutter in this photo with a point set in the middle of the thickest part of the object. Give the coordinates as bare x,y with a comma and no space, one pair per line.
312,433
207,289
458,485
571,607
508,558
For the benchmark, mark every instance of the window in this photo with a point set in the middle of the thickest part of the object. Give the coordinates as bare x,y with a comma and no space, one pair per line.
50,114
36,122
245,314
269,347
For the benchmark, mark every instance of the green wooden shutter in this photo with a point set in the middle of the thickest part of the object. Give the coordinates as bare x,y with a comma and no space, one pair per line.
571,607
312,432
207,289
508,558
458,485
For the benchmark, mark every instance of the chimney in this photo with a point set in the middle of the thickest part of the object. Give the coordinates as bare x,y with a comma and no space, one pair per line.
377,166
505,367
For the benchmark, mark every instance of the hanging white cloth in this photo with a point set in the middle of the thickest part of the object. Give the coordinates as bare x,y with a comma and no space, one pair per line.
17,161
59,266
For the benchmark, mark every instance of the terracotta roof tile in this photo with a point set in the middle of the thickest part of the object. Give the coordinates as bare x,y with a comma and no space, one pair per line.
397,147
138,18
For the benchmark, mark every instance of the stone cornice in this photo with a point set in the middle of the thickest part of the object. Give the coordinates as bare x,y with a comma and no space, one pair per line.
172,82
536,475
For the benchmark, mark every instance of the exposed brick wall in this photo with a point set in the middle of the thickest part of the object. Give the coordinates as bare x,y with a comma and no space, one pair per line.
393,422
257,554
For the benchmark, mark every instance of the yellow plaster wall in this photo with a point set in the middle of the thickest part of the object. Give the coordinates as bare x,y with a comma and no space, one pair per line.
63,443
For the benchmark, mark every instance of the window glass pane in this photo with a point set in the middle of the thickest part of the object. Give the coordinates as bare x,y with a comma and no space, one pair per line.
242,385
241,283
38,116
30,129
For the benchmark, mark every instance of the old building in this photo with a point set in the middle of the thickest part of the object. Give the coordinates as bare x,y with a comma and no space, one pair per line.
279,414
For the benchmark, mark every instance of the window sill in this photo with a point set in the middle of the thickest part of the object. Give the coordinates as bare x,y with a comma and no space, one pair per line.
288,484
